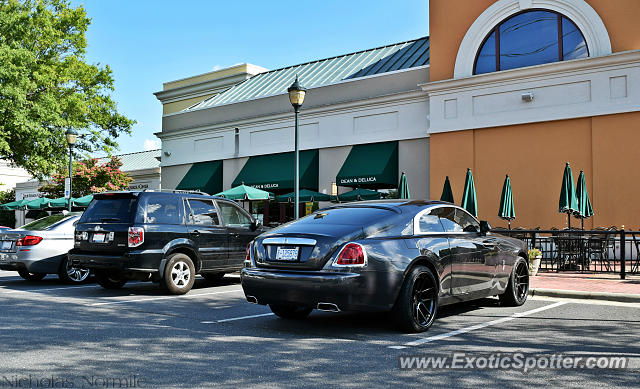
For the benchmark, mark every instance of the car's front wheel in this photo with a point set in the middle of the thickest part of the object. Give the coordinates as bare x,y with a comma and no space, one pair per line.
71,274
179,274
518,286
31,276
110,280
291,312
417,305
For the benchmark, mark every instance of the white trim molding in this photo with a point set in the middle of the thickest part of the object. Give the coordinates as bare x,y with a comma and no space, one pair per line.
581,13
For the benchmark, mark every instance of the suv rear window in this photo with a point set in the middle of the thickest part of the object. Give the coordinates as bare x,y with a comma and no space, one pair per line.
110,210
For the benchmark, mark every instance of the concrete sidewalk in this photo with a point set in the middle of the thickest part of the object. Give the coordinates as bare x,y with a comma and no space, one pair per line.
587,286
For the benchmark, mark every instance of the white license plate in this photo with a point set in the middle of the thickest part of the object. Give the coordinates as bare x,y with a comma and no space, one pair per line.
287,254
98,238
6,244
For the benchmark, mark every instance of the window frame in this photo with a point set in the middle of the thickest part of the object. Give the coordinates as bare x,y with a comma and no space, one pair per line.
416,221
218,202
187,215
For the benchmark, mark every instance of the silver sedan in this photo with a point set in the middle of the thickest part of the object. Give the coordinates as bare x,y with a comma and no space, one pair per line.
40,248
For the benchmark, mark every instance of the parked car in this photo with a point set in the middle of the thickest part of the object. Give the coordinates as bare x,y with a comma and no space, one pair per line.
40,248
165,237
407,257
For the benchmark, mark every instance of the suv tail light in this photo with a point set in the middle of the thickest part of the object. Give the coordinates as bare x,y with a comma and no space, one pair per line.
135,236
247,256
29,240
352,255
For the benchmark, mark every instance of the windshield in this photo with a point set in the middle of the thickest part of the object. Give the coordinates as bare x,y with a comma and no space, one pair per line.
46,223
110,210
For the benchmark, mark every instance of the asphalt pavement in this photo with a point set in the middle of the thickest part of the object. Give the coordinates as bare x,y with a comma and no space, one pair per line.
139,337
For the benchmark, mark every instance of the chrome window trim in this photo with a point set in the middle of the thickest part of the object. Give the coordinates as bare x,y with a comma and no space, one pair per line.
416,221
364,252
287,240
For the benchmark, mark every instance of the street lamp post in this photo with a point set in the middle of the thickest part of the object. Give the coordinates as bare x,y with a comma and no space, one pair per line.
296,97
72,136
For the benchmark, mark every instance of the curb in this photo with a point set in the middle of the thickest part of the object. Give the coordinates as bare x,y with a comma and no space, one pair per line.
579,294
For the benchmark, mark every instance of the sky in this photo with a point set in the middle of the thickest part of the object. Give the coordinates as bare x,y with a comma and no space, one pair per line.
147,43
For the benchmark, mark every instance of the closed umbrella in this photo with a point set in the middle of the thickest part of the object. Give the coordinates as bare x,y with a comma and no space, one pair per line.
585,210
305,195
403,187
83,201
358,194
39,203
568,202
469,201
61,202
507,210
12,206
244,192
447,193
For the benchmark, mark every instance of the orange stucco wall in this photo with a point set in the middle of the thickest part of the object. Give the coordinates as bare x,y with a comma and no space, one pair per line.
534,155
449,21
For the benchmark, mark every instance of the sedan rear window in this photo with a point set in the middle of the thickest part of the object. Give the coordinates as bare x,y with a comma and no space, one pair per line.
354,216
110,210
45,223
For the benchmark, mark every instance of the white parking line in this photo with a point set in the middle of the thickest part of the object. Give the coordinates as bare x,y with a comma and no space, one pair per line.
477,326
244,317
162,298
11,291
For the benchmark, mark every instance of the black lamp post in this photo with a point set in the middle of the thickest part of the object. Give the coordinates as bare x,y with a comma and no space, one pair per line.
296,97
72,137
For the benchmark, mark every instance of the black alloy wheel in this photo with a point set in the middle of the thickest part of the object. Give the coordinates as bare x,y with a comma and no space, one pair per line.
518,286
417,305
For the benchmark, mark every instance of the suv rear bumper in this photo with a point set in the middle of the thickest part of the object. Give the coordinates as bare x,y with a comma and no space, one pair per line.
136,261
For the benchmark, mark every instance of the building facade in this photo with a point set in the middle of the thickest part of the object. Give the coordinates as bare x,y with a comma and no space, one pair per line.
515,87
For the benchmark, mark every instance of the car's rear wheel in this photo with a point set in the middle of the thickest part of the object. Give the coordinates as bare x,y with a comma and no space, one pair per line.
110,280
179,274
417,305
31,276
71,274
291,312
213,276
518,286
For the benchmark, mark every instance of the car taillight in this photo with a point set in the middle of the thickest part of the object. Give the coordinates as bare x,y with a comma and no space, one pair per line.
352,255
247,252
135,236
29,240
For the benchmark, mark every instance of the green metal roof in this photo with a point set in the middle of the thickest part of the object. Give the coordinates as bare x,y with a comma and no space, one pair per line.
203,176
373,165
138,161
274,172
328,71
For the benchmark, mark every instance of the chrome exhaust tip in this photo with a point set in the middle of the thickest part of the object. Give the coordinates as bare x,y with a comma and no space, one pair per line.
252,299
328,307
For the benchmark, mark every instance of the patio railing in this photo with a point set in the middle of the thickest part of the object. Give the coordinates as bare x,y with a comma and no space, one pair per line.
588,251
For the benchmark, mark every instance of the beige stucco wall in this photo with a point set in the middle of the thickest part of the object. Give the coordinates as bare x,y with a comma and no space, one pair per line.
330,162
172,175
413,159
230,170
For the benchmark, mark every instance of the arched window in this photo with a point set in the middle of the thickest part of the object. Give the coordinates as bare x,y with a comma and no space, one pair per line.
530,38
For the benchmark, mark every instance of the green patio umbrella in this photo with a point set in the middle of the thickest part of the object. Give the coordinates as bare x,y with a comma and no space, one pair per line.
61,202
568,202
83,201
358,194
585,210
403,187
39,203
244,192
507,211
305,195
469,201
447,193
14,205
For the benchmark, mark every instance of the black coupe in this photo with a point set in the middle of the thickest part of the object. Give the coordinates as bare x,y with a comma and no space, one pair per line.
404,256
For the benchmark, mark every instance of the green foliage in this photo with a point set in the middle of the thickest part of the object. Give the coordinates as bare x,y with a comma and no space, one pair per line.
534,253
46,87
89,177
7,218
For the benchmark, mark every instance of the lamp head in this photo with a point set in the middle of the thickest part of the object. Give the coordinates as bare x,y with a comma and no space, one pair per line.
72,136
296,93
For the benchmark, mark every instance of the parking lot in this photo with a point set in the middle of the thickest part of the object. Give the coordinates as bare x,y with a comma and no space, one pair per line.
90,337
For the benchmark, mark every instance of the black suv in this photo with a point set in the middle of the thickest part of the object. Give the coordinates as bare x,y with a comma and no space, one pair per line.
165,237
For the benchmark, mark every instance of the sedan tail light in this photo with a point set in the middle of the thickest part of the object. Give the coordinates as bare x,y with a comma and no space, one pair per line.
352,254
135,236
29,240
247,256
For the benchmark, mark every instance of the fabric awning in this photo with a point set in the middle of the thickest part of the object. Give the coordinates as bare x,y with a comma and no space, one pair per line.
204,177
274,172
373,165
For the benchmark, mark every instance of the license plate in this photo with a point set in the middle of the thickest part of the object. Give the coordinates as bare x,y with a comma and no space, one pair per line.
287,254
6,244
98,238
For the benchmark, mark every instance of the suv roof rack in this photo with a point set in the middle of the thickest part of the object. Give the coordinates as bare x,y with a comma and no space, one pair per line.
177,191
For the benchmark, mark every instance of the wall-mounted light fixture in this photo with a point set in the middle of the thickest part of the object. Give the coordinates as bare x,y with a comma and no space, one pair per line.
527,97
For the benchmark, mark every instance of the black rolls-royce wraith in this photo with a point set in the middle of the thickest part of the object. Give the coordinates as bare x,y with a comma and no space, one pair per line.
404,256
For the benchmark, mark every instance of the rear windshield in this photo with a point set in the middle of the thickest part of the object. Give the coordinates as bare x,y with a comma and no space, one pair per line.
110,210
356,216
45,223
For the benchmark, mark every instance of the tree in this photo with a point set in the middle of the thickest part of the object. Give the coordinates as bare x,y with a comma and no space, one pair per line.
89,176
7,218
46,87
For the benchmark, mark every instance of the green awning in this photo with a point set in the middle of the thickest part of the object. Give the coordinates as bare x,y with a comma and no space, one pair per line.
83,201
61,202
373,165
274,172
14,205
39,203
204,177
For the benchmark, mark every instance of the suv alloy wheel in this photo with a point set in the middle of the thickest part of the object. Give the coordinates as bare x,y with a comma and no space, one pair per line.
179,274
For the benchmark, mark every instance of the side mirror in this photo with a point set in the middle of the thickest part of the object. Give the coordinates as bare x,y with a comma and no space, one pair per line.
484,227
255,225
